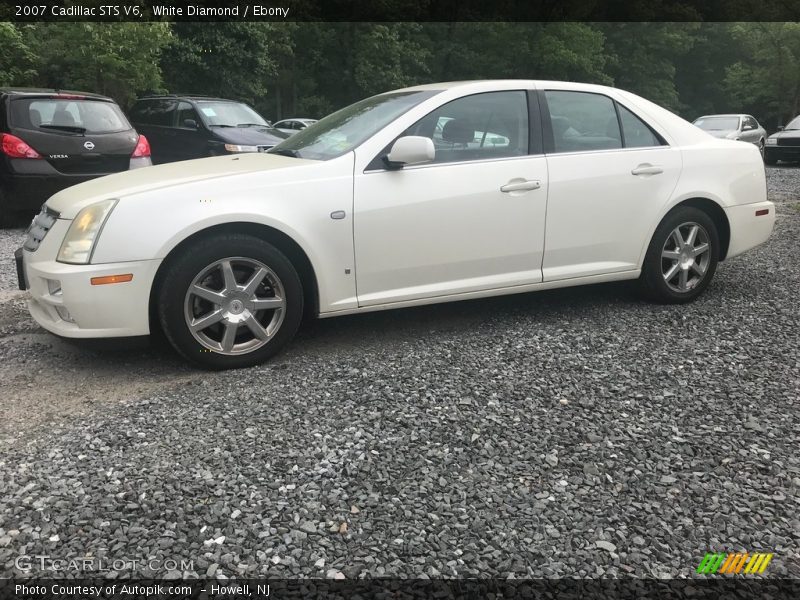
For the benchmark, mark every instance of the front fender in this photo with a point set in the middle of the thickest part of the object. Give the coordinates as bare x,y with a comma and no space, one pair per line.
150,225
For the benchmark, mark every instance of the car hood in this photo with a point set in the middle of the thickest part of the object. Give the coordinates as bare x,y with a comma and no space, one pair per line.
250,136
791,134
70,201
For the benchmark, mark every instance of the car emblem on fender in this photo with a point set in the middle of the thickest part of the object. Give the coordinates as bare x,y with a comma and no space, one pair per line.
88,145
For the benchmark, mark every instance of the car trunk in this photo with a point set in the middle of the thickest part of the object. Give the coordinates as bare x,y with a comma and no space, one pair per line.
76,136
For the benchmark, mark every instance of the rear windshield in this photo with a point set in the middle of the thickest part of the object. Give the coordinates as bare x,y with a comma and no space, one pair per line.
62,115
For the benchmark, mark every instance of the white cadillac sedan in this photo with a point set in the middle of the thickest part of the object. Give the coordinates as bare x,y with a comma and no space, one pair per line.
428,194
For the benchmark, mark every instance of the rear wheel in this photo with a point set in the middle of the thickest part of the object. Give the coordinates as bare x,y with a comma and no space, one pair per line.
682,257
230,301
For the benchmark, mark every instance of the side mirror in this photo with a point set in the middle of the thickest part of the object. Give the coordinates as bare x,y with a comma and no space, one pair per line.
410,150
780,127
190,123
748,128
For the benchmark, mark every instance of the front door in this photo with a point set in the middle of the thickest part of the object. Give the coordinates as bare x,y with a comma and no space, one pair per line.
470,220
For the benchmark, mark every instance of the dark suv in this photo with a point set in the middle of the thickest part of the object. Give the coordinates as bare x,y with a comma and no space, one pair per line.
50,140
187,127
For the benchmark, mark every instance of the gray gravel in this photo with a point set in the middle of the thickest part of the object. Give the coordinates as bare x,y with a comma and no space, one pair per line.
575,433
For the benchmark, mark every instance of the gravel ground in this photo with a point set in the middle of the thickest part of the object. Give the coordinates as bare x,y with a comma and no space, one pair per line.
575,433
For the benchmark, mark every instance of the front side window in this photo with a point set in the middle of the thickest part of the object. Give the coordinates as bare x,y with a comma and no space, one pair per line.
349,127
583,121
186,112
637,133
477,127
154,112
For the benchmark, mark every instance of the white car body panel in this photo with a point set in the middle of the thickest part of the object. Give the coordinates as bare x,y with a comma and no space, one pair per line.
423,234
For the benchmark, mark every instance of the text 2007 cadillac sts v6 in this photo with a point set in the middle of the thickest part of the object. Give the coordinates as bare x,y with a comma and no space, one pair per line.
428,194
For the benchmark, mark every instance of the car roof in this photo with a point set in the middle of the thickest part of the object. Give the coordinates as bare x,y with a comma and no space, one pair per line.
194,97
725,115
23,91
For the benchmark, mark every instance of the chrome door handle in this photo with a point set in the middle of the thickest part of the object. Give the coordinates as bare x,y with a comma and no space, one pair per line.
647,169
521,186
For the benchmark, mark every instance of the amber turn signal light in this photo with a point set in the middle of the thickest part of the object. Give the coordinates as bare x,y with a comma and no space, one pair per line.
112,279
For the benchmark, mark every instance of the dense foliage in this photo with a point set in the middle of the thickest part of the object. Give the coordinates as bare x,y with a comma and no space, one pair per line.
310,69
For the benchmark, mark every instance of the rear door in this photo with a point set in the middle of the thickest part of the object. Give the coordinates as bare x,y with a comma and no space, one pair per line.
610,175
75,134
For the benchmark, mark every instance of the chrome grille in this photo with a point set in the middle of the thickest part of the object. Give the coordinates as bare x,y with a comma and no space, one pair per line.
39,227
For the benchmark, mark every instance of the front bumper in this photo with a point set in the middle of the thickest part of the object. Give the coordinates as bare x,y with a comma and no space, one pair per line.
750,226
64,301
787,153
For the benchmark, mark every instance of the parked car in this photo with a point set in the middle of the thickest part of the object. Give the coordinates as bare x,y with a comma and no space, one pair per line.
50,140
734,127
187,127
292,126
362,211
784,144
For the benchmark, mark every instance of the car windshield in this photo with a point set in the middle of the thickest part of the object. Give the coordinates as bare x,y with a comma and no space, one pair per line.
345,129
230,114
68,115
794,123
718,123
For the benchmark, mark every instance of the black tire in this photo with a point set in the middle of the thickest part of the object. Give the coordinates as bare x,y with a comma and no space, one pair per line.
652,282
183,269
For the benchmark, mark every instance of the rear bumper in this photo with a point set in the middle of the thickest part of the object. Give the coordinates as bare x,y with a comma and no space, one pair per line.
63,300
750,226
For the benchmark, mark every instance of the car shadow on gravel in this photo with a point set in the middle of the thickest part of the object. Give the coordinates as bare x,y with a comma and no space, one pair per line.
453,317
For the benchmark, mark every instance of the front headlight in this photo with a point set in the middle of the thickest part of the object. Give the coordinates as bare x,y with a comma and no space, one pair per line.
238,148
76,249
772,141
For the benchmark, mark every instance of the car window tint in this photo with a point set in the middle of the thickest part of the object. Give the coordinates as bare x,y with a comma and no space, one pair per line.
637,134
186,111
477,127
49,114
583,121
154,112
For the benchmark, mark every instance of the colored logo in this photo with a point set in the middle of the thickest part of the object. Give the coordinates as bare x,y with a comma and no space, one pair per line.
734,563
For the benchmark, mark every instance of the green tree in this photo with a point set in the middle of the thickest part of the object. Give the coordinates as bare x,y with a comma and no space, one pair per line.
115,59
17,62
768,80
642,58
227,59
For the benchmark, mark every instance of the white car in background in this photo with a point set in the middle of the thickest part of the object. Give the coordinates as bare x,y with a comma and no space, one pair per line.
739,127
366,211
292,126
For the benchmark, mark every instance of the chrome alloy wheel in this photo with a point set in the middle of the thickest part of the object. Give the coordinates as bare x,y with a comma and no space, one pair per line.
235,305
685,257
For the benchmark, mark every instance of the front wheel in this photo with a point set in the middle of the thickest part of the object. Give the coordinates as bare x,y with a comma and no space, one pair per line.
230,301
682,257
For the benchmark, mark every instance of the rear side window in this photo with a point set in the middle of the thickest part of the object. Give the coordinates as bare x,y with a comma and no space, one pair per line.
153,112
67,115
583,121
637,133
